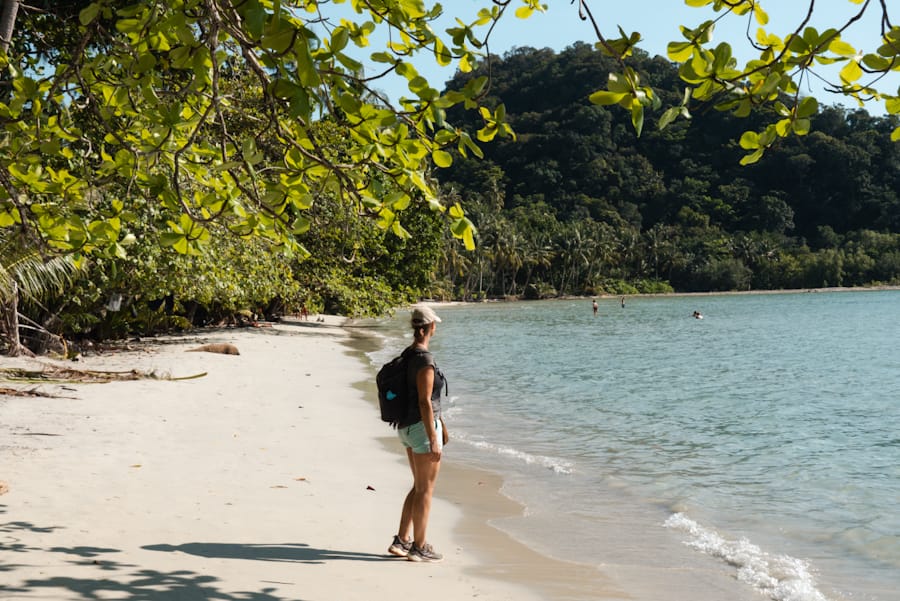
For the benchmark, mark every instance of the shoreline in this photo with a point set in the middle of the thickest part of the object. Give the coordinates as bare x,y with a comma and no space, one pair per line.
266,478
477,494
879,288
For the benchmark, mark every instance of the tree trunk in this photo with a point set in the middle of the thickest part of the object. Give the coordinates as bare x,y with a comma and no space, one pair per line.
8,22
9,314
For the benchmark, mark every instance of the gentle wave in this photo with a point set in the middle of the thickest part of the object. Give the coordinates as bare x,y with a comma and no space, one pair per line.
780,577
388,348
554,464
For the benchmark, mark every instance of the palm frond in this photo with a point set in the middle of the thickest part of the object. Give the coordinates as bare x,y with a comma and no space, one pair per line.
25,269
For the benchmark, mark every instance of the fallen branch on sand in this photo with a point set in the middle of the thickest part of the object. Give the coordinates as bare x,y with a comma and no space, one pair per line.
56,374
31,392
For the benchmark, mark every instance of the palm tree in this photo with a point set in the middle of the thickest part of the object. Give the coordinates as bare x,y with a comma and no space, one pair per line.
661,242
575,252
25,272
537,254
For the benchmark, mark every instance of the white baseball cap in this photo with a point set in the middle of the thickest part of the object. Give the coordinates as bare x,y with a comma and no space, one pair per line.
424,315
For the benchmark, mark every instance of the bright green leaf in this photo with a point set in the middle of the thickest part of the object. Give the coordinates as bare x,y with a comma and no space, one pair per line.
523,12
841,48
637,116
604,97
442,158
679,51
170,238
752,157
469,238
400,231
300,225
783,127
808,106
398,201
892,105
339,38
749,140
487,133
668,117
801,127
851,72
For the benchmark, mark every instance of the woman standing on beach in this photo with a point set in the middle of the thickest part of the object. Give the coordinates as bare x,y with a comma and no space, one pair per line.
423,435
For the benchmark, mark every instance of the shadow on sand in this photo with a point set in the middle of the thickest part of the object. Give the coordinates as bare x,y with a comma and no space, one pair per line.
290,552
124,581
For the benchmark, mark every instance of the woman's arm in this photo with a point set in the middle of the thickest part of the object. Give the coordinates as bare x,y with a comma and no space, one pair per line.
424,385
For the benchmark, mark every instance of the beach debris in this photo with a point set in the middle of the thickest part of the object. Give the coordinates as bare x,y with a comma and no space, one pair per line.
31,392
301,479
223,348
4,488
58,374
369,487
278,486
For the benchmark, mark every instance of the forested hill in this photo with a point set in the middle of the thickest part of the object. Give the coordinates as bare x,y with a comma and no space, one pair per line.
580,204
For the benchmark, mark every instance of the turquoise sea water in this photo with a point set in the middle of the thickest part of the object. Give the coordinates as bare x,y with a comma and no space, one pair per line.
751,454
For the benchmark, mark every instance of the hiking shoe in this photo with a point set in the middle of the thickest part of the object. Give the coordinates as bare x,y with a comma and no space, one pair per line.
400,548
424,553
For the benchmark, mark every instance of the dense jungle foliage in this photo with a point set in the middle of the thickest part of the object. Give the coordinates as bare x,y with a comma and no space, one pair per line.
579,205
164,164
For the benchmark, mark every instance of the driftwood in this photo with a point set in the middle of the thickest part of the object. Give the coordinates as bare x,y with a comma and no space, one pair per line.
31,392
220,347
56,374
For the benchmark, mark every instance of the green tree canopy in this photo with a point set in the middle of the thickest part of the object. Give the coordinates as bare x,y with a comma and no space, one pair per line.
107,101
134,102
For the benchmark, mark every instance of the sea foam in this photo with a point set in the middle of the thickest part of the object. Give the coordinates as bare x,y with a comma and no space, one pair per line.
554,464
780,577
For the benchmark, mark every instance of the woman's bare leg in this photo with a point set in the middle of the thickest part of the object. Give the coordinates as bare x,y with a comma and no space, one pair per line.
405,531
425,472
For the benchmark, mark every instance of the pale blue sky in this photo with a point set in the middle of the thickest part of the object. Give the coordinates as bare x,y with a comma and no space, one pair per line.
658,22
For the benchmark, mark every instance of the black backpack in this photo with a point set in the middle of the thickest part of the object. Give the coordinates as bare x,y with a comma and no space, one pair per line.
393,389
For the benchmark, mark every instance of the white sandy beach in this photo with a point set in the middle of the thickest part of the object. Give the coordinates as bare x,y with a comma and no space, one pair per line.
267,479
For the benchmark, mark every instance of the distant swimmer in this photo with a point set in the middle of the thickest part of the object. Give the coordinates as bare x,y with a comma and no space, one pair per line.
698,315
594,305
623,302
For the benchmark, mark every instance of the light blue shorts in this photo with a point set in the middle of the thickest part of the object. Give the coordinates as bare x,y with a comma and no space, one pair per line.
416,438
